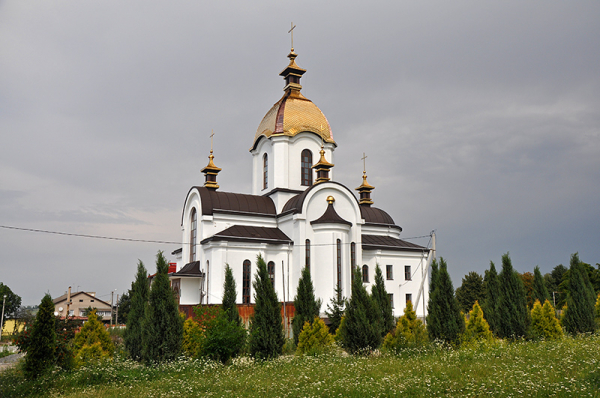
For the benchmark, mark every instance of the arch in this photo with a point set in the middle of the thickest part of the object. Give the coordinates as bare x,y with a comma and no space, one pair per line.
365,273
271,270
306,164
193,234
247,266
265,171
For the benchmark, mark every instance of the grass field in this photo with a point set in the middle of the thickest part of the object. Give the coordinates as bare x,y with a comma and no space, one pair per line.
565,368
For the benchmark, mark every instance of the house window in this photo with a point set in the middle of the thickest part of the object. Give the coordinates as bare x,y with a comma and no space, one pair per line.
353,254
306,167
365,273
265,171
307,254
271,269
389,272
193,234
339,264
246,282
81,301
407,273
91,301
391,298
408,297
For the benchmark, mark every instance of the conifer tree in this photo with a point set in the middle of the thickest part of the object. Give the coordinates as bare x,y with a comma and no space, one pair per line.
409,332
137,312
514,318
93,341
314,338
476,327
470,291
539,287
230,297
598,311
580,314
42,345
492,295
382,302
335,309
162,327
544,323
266,337
360,330
434,274
444,320
305,305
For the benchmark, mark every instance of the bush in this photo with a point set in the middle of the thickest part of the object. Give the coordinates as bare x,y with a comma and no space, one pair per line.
410,332
544,323
93,342
41,347
476,327
314,339
224,338
598,311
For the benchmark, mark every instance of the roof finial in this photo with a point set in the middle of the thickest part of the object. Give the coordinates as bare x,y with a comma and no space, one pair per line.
212,134
211,171
364,159
365,188
292,33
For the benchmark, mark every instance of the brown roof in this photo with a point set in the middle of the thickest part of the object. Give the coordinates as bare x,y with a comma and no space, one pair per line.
330,216
64,297
246,233
190,269
294,205
373,215
374,242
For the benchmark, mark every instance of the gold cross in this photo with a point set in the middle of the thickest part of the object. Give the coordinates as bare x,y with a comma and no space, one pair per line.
292,32
212,134
364,159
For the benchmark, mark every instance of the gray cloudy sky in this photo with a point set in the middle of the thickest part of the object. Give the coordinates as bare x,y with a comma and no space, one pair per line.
480,119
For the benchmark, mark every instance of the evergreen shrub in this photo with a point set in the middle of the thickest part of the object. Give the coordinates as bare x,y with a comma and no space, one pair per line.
410,332
476,327
93,342
315,338
306,306
41,348
579,316
544,323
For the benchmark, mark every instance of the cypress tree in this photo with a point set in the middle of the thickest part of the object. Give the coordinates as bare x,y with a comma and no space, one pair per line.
137,312
382,302
266,328
492,295
470,291
444,320
513,314
580,314
230,297
539,287
434,274
305,305
335,309
42,344
361,329
162,327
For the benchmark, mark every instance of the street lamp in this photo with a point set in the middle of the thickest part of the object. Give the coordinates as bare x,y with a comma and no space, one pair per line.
2,319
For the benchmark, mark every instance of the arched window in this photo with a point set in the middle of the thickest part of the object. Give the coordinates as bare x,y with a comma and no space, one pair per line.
207,284
306,168
307,254
339,264
271,269
365,273
353,254
246,282
265,171
193,234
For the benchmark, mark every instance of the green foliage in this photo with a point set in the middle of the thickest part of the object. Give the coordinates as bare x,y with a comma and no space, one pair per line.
224,338
162,327
93,342
470,291
598,311
539,287
580,314
306,306
544,323
315,338
555,279
124,306
410,332
527,279
266,336
382,302
361,330
230,297
444,320
42,345
476,327
514,316
492,297
193,338
137,312
337,337
11,303
335,309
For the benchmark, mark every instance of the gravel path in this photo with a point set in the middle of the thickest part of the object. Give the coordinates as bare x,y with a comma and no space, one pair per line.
10,361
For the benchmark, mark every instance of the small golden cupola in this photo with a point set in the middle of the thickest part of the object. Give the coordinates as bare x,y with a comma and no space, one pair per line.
365,188
211,171
322,167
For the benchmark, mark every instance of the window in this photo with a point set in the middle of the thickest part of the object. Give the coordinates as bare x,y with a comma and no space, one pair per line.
408,297
307,254
391,298
265,171
306,168
91,301
353,255
193,234
365,273
339,264
271,269
246,282
407,273
81,301
389,272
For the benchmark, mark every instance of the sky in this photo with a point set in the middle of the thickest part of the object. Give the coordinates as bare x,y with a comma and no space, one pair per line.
480,120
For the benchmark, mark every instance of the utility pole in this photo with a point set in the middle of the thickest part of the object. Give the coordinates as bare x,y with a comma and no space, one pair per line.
2,319
68,304
111,306
117,313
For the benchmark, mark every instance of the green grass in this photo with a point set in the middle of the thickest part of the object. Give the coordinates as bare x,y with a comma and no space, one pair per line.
566,368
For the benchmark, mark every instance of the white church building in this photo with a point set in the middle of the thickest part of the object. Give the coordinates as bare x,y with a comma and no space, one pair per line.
297,216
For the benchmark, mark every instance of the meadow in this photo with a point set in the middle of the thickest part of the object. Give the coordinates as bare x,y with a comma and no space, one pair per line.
569,367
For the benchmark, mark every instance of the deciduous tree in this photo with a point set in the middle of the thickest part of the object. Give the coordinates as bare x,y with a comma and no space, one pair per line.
12,302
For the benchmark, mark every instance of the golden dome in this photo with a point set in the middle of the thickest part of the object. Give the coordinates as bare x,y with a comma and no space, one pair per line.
293,113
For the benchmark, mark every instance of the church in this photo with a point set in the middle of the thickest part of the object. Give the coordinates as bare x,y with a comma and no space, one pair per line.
297,216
